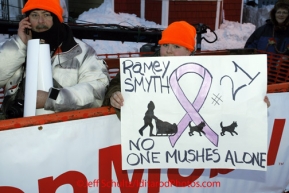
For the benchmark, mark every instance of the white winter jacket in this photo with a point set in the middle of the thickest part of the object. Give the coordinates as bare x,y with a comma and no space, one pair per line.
82,76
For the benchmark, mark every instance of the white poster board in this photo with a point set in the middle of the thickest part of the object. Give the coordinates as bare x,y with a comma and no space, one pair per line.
194,112
38,67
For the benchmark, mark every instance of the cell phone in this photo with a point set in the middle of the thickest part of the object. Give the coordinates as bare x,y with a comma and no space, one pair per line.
27,31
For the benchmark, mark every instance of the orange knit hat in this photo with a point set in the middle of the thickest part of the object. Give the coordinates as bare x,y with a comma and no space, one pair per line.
180,33
52,6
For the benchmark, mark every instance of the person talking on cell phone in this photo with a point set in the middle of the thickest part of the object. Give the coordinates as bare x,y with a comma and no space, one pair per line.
79,77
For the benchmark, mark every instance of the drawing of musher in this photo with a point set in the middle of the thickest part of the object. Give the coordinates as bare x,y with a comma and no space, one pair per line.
148,118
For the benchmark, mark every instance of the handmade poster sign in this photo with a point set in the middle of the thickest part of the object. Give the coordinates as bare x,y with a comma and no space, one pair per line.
194,112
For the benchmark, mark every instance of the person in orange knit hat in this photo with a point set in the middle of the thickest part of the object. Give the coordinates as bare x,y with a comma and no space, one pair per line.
79,77
178,39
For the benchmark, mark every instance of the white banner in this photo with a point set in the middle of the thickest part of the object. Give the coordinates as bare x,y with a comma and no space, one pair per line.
194,112
84,156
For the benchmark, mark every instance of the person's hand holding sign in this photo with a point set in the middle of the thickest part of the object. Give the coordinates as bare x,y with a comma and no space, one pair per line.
116,99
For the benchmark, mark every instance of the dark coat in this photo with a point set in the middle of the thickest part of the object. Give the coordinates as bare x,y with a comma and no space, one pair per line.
260,38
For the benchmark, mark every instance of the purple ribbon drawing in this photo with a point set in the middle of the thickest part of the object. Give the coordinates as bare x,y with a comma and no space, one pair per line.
193,108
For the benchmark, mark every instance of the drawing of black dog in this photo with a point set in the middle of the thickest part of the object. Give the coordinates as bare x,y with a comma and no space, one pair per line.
198,128
230,128
165,128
